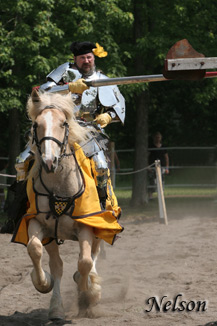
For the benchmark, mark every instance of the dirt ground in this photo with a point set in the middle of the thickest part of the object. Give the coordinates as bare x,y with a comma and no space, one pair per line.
149,260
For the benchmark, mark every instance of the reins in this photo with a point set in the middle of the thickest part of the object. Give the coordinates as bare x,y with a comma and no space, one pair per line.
58,205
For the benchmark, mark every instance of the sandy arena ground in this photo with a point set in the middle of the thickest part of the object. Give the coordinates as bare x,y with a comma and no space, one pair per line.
149,260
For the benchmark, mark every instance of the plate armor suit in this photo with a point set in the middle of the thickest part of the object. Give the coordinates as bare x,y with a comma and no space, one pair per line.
89,104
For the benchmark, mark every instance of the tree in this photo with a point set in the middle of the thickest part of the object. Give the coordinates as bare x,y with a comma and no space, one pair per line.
26,33
142,103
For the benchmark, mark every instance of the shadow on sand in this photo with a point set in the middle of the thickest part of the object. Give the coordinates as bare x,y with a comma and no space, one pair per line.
36,317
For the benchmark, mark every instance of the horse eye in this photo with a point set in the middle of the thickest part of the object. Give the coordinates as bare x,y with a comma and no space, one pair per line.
35,125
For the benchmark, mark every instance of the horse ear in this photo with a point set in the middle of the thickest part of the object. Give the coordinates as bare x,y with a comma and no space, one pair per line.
35,96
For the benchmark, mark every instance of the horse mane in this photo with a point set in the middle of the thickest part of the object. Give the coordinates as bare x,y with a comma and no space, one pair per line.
37,103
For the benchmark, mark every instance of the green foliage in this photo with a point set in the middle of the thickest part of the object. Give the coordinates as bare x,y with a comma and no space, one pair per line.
87,20
183,111
27,33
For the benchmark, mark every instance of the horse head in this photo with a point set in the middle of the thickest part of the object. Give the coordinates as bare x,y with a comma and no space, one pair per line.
50,133
51,116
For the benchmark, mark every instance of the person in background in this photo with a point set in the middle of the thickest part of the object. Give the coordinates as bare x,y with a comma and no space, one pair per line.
156,152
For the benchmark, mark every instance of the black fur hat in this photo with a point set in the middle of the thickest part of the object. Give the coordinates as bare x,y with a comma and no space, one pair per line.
79,48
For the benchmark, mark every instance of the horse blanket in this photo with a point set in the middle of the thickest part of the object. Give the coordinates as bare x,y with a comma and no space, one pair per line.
87,209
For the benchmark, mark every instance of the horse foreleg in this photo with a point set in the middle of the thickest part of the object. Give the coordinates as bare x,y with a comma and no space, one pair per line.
88,282
102,253
85,262
41,279
56,310
95,279
96,249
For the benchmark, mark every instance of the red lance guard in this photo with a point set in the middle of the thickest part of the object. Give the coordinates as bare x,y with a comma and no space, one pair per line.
183,49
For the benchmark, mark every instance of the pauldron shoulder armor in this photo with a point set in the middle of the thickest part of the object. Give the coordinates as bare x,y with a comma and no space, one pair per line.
65,73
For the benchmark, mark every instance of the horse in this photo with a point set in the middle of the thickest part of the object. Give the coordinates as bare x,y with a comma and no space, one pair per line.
57,177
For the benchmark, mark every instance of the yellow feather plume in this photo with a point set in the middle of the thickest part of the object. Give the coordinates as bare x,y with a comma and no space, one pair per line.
99,51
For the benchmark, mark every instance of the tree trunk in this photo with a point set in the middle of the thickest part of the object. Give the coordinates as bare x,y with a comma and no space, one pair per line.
139,192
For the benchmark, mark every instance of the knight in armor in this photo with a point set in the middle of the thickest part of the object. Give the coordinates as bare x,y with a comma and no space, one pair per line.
100,105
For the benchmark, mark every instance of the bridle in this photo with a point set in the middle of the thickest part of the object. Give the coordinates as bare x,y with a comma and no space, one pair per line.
68,201
62,144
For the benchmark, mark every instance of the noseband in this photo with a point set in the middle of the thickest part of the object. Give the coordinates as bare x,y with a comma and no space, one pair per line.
62,144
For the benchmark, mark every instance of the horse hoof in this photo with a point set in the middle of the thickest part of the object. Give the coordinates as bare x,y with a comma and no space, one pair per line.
48,284
76,276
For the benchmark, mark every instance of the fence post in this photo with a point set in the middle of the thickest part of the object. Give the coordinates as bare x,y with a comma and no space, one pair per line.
160,193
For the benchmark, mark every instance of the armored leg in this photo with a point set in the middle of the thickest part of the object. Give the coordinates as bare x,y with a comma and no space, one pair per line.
101,167
92,149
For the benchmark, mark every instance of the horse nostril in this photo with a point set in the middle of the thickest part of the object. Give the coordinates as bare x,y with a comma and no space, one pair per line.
49,164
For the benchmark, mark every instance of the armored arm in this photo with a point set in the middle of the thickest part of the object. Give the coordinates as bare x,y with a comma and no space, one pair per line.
54,77
57,79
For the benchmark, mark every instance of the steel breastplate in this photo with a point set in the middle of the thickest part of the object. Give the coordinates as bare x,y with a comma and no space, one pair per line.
103,95
89,97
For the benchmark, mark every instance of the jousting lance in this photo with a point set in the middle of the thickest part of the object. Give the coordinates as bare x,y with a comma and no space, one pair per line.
136,79
182,62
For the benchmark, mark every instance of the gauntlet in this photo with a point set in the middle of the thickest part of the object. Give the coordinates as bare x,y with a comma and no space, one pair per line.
78,86
103,119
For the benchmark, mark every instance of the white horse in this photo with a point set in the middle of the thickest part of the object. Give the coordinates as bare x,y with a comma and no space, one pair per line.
58,177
